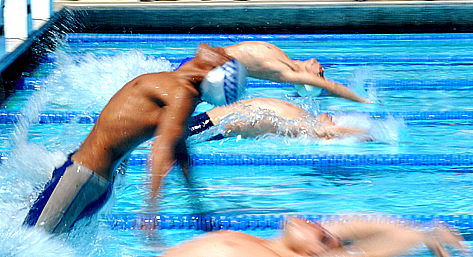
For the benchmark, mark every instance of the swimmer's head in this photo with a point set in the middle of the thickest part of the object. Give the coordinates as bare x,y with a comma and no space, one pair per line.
205,60
313,66
208,57
224,84
308,238
221,79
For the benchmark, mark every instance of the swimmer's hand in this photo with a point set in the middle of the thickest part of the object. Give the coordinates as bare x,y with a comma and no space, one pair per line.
435,240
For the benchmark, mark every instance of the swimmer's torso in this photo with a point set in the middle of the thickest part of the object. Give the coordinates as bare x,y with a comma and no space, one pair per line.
261,59
130,118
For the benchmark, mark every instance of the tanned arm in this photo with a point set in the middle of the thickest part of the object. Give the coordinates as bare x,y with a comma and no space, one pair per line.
169,133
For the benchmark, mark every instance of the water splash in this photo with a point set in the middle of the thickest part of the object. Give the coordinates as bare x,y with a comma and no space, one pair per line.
17,240
357,83
268,128
88,82
28,166
308,103
388,130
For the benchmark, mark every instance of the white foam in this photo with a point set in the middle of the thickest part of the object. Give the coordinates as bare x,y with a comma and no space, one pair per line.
357,83
90,82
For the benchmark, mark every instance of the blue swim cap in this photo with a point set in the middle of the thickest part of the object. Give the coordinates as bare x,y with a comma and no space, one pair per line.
224,84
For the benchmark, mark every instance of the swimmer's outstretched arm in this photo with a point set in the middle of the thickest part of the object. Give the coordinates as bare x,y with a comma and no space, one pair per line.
169,134
374,238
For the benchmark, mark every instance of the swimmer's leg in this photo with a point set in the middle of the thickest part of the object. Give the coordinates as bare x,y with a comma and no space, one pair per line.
77,193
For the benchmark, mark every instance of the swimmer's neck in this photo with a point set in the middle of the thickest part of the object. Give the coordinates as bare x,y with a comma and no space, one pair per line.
192,73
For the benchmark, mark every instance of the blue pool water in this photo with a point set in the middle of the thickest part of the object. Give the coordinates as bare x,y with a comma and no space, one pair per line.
82,74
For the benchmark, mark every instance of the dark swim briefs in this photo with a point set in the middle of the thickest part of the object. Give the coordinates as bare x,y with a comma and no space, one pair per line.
73,192
199,123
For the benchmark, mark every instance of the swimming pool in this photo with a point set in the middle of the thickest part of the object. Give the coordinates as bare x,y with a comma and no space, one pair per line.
418,167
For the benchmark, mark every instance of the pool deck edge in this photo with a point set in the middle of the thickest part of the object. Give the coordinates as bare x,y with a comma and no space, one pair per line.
276,16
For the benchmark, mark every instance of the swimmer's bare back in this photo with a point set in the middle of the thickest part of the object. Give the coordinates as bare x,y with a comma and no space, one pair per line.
262,60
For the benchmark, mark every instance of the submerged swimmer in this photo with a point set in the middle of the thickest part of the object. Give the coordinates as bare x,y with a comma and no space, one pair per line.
266,61
151,105
304,238
260,116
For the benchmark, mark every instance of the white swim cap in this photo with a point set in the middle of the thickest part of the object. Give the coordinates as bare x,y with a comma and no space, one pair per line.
304,90
224,84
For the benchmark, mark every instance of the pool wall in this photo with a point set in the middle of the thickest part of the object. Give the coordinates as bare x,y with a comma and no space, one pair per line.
29,54
279,17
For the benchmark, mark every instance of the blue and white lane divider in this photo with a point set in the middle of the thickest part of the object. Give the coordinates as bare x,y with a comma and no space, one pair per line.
208,222
319,160
381,84
442,59
48,117
77,38
329,160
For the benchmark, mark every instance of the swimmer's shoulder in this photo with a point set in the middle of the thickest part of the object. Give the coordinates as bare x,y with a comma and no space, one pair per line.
161,85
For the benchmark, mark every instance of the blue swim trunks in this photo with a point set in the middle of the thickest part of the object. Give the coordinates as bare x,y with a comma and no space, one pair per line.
74,192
